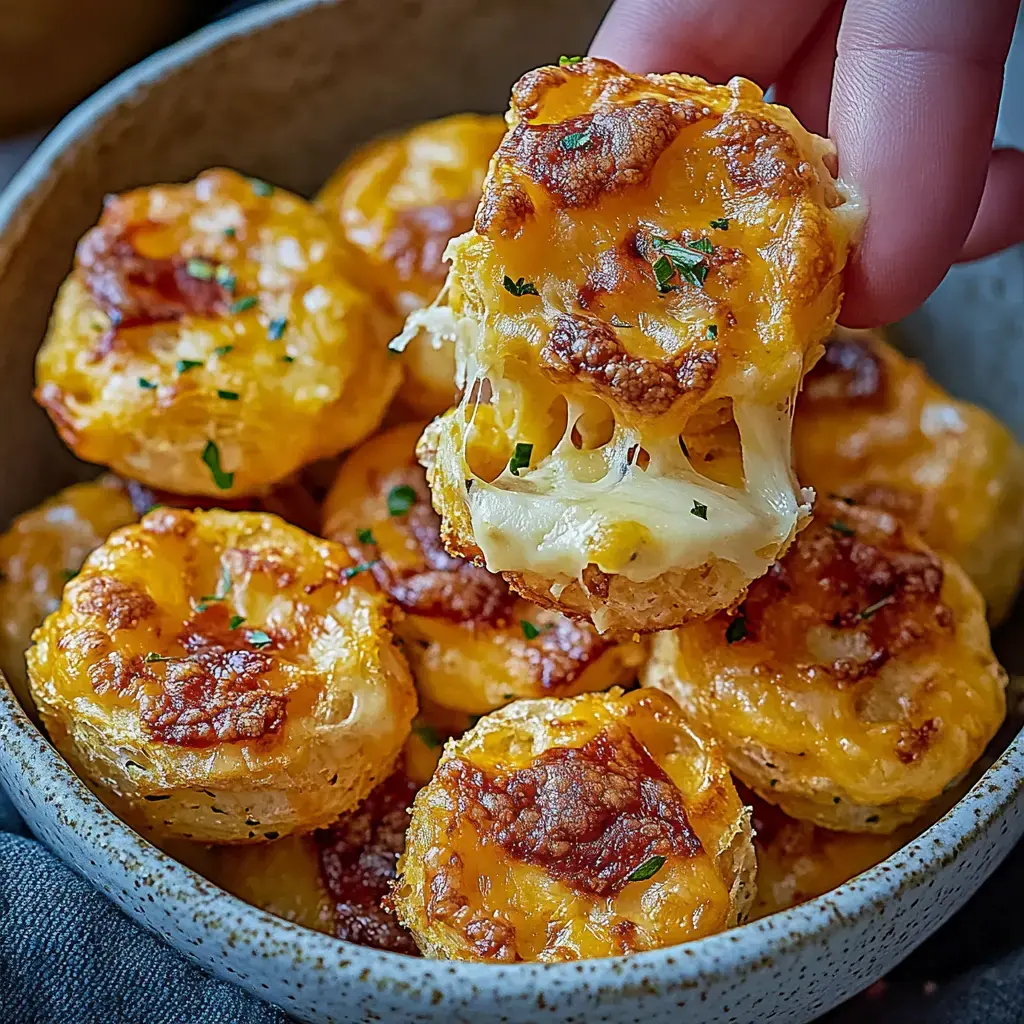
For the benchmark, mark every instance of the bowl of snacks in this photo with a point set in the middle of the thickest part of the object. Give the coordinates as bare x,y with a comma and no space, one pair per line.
457,567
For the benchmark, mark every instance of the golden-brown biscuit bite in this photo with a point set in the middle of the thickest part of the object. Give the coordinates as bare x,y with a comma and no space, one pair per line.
871,425
564,829
210,339
399,200
473,645
652,257
43,549
223,676
855,682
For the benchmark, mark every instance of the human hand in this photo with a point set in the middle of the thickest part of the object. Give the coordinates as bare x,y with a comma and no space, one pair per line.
909,91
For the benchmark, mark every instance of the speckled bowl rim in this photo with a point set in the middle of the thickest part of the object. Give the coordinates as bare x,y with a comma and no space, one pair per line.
746,949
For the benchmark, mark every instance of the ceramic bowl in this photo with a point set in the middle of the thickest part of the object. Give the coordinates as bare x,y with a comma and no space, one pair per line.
283,91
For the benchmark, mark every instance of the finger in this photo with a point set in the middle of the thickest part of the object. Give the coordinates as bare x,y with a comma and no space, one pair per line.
805,83
715,39
1000,219
913,111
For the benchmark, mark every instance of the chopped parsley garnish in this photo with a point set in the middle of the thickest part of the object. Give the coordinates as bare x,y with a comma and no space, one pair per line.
428,734
228,396
520,287
355,570
876,607
184,365
153,656
648,869
223,589
225,278
276,328
261,188
564,62
230,232
687,259
576,140
530,631
737,630
616,322
242,304
721,223
68,574
712,332
520,458
201,270
401,499
147,384
663,274
699,510
287,359
773,783
259,640
842,528
366,536
235,621
223,350
211,456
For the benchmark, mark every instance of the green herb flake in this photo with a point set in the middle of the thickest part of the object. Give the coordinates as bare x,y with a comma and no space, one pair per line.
428,734
842,528
261,188
576,140
686,258
876,607
275,329
287,359
520,287
401,499
228,396
712,332
230,232
223,350
152,657
211,456
147,384
235,621
225,278
648,869
242,304
663,274
223,589
720,223
530,631
699,510
520,458
184,365
259,640
366,536
201,270
67,575
773,783
737,630
565,62
354,570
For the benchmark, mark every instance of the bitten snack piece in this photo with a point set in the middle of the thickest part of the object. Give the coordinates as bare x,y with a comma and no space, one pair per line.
653,258
563,829
223,676
43,549
399,200
473,645
210,339
854,684
871,425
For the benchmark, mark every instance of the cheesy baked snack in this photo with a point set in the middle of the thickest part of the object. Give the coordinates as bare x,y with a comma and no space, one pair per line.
653,258
472,644
43,549
211,339
854,684
563,829
398,201
872,425
223,676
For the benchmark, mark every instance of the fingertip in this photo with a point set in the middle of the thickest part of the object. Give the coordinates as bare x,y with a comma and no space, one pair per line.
999,222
